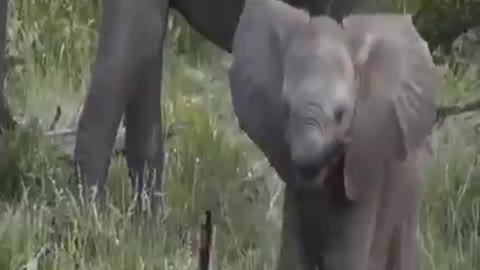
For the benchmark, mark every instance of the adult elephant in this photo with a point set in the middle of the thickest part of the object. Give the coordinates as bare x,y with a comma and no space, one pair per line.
127,74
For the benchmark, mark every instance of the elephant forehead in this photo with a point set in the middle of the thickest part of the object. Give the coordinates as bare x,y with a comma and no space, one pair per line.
343,92
323,91
315,58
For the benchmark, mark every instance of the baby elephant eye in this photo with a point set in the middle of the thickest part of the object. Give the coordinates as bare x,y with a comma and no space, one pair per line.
338,114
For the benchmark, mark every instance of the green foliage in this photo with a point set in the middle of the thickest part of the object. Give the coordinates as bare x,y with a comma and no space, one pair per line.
49,40
210,164
451,213
28,164
440,22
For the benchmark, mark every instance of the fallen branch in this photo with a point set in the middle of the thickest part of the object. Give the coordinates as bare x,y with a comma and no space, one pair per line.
61,133
451,110
65,139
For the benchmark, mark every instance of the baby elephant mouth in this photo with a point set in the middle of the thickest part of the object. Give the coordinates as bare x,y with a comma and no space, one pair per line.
313,174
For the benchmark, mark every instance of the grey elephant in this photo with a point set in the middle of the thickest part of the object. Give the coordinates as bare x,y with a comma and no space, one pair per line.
127,74
343,113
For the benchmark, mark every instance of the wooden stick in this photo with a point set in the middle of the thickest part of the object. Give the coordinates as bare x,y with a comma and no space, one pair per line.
58,114
205,247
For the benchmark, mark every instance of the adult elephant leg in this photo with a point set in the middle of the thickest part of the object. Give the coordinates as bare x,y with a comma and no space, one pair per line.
6,120
144,136
131,37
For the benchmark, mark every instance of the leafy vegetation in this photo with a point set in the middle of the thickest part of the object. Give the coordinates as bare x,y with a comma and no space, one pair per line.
440,22
43,224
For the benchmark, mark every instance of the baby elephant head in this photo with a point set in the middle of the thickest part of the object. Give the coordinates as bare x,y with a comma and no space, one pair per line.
311,92
318,97
362,92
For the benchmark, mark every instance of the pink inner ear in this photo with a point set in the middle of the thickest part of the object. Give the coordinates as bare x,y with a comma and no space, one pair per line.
356,179
349,183
349,192
363,52
363,82
361,55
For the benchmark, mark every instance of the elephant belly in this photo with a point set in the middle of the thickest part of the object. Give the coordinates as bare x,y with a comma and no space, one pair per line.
216,20
337,9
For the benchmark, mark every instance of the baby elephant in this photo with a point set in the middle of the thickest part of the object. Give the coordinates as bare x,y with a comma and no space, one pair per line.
342,112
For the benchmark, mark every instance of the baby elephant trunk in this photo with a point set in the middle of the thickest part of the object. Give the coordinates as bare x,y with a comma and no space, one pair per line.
312,157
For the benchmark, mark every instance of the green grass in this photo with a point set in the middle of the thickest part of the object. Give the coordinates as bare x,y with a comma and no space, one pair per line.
211,165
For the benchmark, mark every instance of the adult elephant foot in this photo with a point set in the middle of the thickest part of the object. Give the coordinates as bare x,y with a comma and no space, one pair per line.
126,79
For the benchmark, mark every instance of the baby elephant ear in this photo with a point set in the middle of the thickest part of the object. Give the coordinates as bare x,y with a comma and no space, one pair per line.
395,109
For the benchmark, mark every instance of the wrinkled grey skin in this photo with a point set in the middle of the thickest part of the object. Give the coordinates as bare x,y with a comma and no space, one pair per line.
126,78
343,115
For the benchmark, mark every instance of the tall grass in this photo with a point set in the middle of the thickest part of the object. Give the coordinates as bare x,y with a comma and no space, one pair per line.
210,164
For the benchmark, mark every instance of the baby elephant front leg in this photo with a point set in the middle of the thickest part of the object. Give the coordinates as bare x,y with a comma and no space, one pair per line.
322,233
292,256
